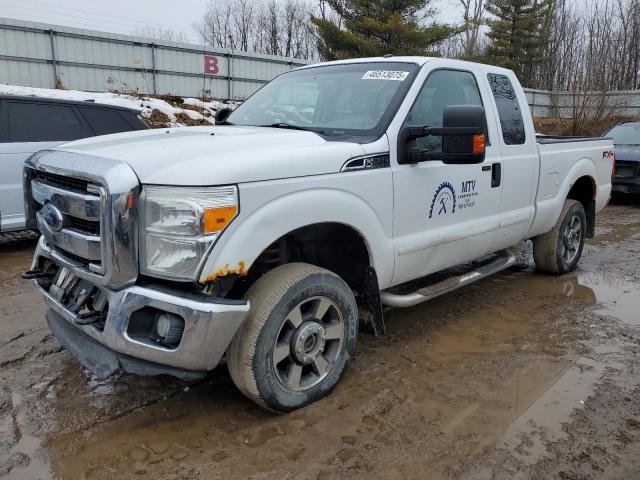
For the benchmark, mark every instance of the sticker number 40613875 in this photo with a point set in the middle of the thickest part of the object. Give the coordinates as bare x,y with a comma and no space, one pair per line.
385,75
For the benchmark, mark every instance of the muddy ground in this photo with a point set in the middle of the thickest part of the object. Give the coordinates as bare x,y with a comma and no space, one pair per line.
521,376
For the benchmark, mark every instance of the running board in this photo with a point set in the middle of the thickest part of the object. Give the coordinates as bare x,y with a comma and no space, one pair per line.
505,260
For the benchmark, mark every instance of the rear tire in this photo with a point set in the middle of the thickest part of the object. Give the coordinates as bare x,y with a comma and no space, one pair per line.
559,250
298,338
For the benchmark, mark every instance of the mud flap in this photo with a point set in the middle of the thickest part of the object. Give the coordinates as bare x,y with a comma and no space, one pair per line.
590,211
104,362
371,319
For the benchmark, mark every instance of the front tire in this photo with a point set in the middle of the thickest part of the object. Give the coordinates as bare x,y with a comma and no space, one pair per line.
298,338
559,250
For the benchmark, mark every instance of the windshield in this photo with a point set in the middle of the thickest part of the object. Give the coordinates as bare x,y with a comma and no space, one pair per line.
625,134
352,99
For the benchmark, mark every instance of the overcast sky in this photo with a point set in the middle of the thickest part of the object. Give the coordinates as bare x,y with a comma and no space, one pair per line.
124,16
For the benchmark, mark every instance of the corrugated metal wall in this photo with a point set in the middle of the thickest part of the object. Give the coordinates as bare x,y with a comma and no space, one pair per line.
36,55
567,105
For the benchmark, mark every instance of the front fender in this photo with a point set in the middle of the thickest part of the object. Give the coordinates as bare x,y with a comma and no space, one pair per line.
248,236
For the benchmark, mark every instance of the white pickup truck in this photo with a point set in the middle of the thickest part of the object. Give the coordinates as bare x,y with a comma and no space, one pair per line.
270,239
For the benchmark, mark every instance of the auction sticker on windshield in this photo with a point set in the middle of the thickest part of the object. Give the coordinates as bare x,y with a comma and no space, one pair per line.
385,75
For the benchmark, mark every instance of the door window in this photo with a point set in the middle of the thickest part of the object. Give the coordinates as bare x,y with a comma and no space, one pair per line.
442,89
104,121
42,122
508,109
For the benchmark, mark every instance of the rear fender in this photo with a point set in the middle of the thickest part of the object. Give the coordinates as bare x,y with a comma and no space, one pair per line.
548,209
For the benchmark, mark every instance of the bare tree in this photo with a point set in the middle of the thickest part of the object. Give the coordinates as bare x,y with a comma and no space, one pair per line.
594,45
156,32
244,23
267,26
473,15
591,45
590,52
216,26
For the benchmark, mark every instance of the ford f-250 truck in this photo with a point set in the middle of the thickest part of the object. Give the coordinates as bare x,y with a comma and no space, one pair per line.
271,239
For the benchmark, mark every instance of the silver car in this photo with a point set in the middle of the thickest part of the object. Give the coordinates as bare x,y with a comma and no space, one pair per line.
30,124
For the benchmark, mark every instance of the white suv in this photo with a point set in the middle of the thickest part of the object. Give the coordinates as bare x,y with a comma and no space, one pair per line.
30,124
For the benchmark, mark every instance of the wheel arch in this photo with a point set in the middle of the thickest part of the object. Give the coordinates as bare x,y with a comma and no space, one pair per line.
249,236
346,232
584,190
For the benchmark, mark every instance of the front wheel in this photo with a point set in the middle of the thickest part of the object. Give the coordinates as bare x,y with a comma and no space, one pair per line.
559,250
298,338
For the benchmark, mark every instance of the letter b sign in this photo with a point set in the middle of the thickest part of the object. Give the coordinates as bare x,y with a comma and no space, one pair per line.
211,65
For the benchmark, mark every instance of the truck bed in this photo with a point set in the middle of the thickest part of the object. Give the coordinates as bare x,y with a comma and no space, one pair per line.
562,157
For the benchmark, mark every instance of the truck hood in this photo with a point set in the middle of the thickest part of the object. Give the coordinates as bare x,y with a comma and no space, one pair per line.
627,152
200,156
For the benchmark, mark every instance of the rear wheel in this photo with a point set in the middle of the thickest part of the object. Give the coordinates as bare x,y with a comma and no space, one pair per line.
298,338
559,250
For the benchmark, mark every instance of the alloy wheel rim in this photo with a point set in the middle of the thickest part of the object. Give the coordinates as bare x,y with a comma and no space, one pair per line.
571,239
308,343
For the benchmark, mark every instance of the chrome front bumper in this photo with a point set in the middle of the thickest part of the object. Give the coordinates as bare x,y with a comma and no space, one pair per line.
209,325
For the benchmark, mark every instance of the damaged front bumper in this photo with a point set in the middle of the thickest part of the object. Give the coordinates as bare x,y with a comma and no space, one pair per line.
103,347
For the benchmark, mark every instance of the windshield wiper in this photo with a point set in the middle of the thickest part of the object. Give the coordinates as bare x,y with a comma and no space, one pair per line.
287,126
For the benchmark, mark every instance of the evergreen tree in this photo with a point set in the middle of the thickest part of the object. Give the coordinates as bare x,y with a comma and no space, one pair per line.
515,35
372,28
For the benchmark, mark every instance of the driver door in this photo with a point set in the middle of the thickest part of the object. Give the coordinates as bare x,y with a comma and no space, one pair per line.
444,214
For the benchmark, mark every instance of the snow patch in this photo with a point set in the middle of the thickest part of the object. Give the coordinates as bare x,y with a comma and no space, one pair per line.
198,111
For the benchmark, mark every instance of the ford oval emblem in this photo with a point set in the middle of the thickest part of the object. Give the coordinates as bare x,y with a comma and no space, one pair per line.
52,217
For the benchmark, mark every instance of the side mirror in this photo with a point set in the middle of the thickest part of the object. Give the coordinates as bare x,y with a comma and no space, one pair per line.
222,114
463,135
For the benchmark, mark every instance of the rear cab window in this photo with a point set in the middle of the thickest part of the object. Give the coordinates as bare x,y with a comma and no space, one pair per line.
42,122
511,122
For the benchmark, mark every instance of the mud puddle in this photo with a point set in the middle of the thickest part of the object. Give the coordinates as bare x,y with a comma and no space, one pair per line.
519,376
616,295
461,373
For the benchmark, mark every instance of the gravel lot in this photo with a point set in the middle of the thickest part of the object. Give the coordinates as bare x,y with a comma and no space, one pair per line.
521,376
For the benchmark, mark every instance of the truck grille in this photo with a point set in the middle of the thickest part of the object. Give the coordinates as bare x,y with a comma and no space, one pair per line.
85,226
69,183
68,217
69,208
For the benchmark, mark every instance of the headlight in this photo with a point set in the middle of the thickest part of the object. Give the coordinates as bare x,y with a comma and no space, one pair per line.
180,224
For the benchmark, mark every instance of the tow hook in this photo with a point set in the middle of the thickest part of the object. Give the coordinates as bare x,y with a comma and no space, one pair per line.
37,273
89,318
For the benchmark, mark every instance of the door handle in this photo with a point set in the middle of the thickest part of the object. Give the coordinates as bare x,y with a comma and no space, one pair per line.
496,174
